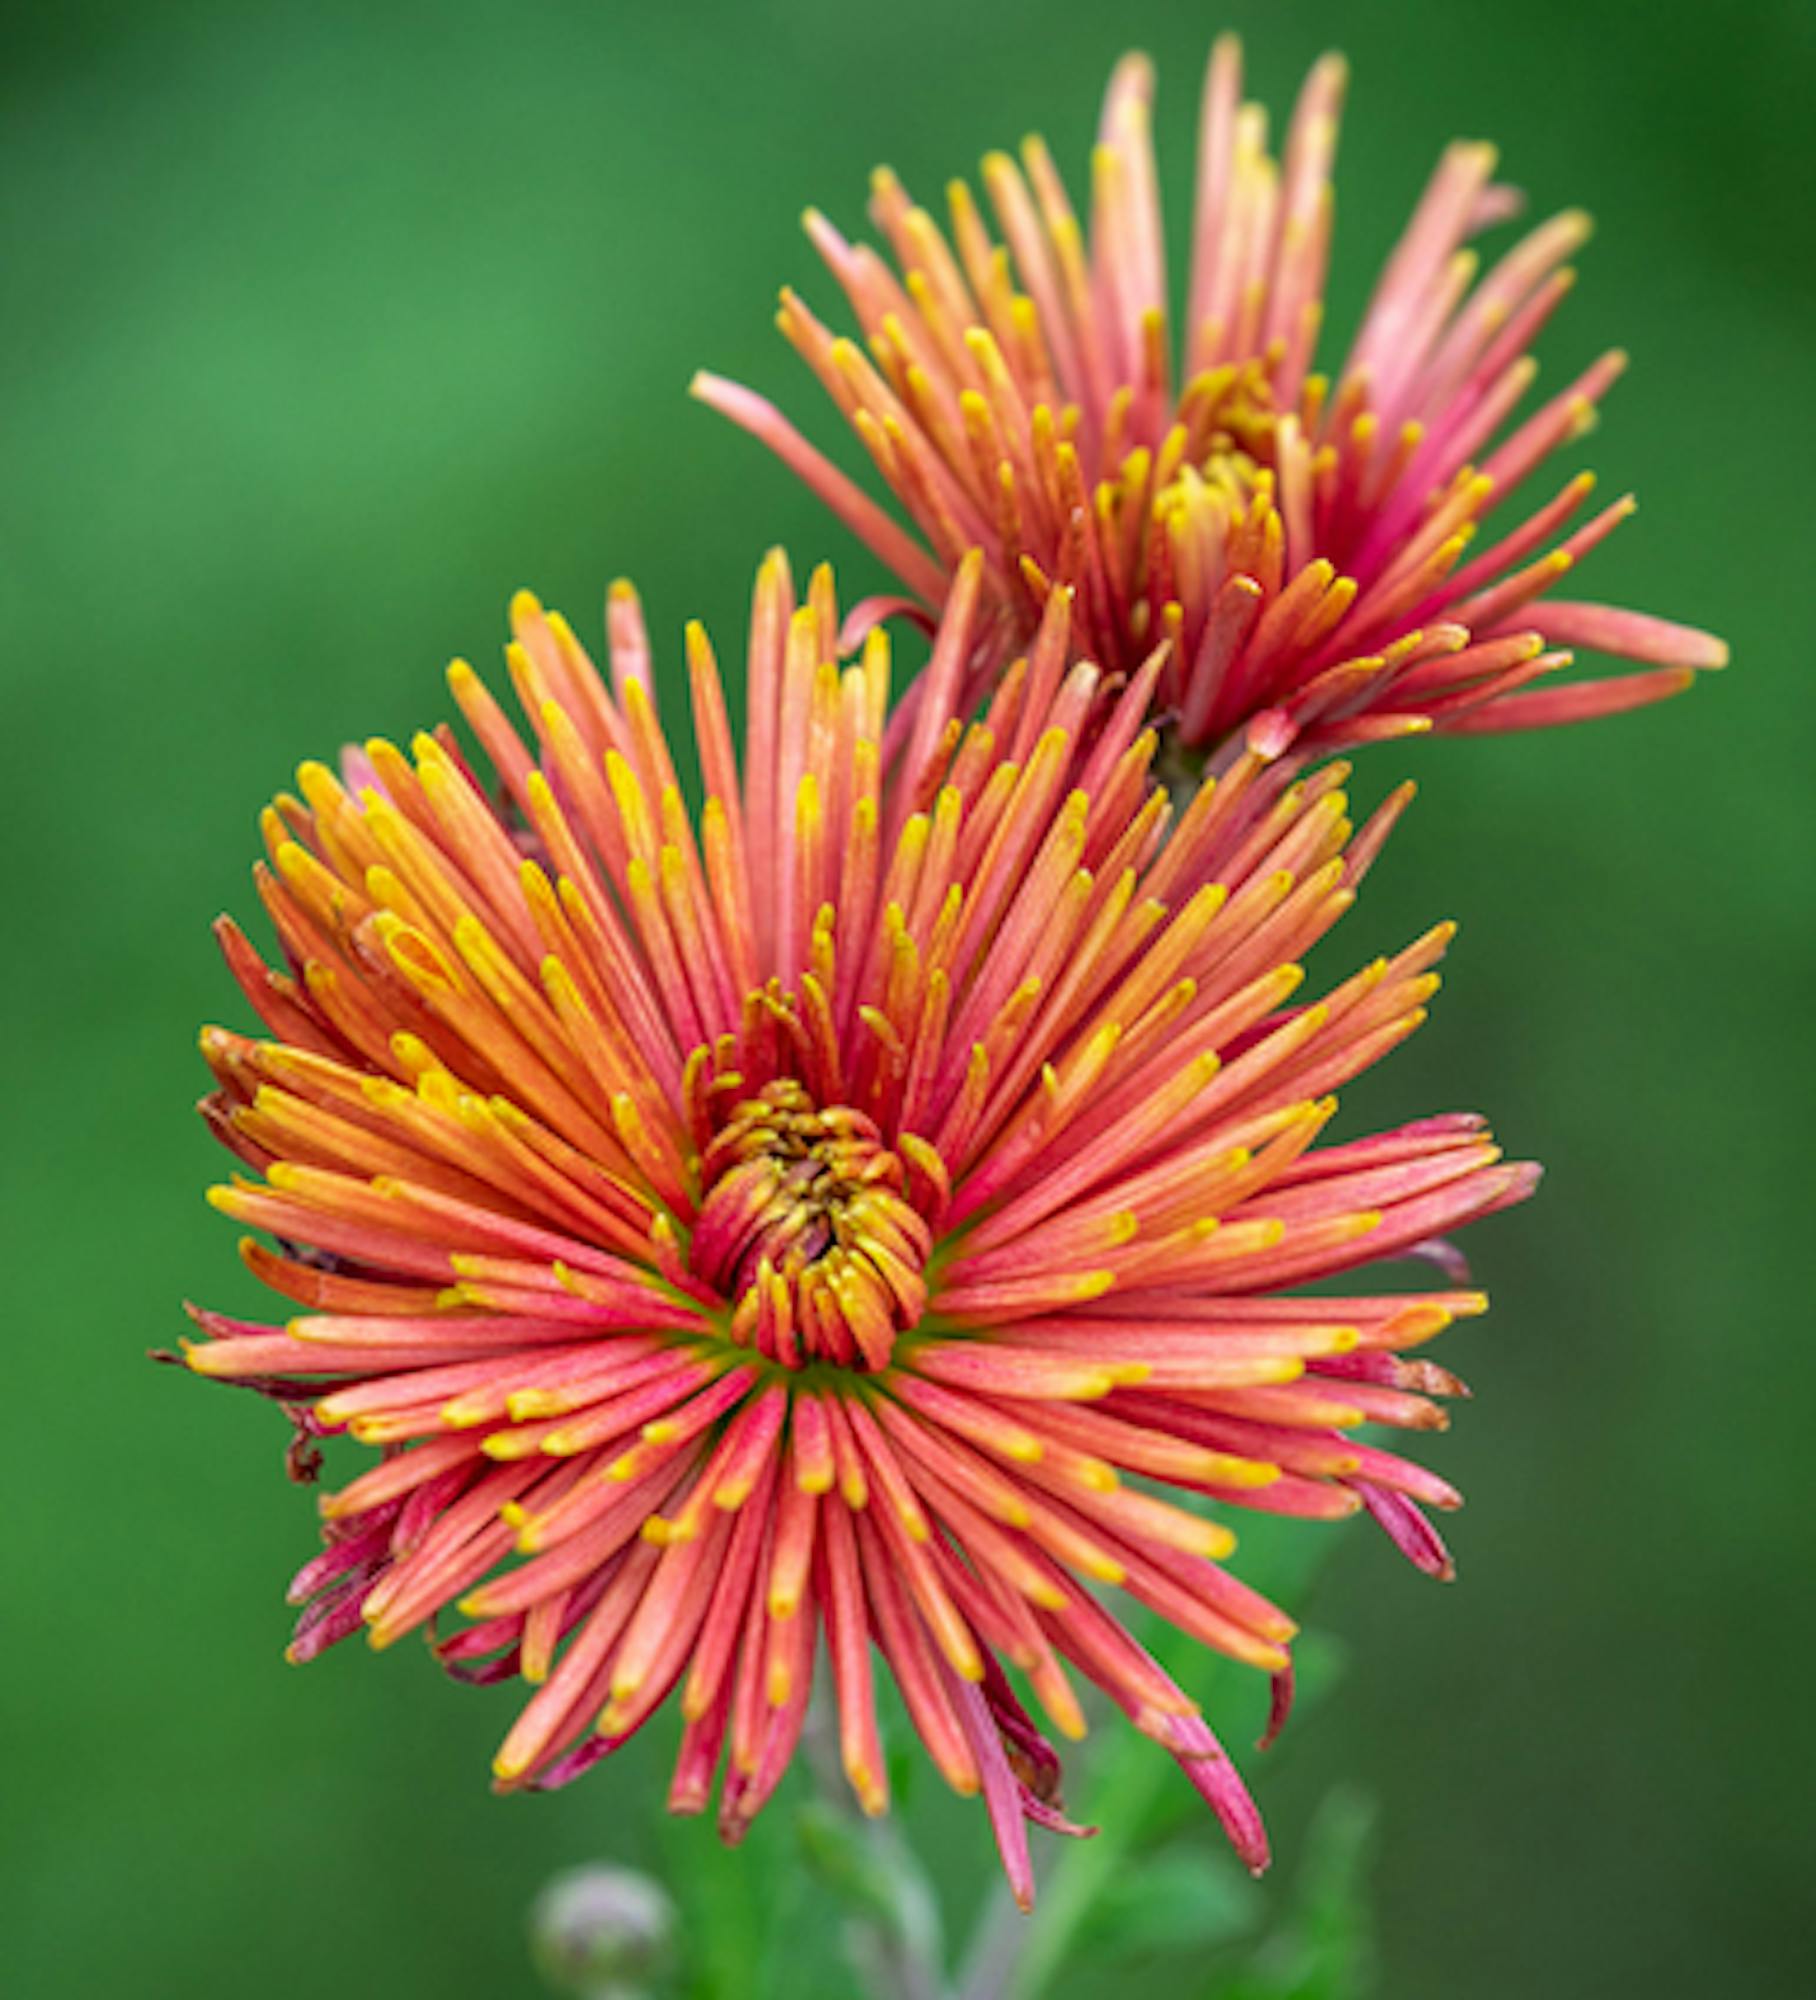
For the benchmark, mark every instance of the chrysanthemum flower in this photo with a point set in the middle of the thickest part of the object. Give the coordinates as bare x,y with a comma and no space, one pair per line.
864,1221
1304,544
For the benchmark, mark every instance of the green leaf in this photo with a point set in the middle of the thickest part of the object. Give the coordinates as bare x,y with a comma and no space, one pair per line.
1324,1946
848,1867
1180,1899
723,1906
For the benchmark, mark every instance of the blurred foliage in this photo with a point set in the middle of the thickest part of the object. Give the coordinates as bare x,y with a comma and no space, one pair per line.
327,325
818,1897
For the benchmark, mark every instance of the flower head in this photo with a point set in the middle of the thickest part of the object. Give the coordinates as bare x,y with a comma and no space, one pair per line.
1301,543
866,1215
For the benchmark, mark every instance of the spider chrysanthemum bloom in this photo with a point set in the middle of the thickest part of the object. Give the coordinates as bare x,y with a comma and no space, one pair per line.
1303,541
862,1221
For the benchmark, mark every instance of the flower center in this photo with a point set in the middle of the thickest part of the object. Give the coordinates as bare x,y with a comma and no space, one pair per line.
807,1229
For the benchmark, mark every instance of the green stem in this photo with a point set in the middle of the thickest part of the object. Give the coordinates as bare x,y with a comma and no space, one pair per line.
891,1926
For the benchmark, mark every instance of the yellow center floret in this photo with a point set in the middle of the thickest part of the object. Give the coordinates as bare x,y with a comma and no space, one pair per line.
807,1230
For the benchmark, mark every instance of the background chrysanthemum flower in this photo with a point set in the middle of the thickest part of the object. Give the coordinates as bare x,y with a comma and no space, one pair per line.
867,1218
1303,541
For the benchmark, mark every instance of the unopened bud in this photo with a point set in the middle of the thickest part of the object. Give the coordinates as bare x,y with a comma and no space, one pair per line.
603,1933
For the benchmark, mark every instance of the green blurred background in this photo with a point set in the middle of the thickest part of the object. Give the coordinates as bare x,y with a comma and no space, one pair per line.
328,325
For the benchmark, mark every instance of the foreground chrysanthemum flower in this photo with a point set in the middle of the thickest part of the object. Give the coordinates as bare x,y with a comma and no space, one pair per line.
1301,545
843,1219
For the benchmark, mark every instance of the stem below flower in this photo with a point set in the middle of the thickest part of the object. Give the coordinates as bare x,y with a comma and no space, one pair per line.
891,1926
